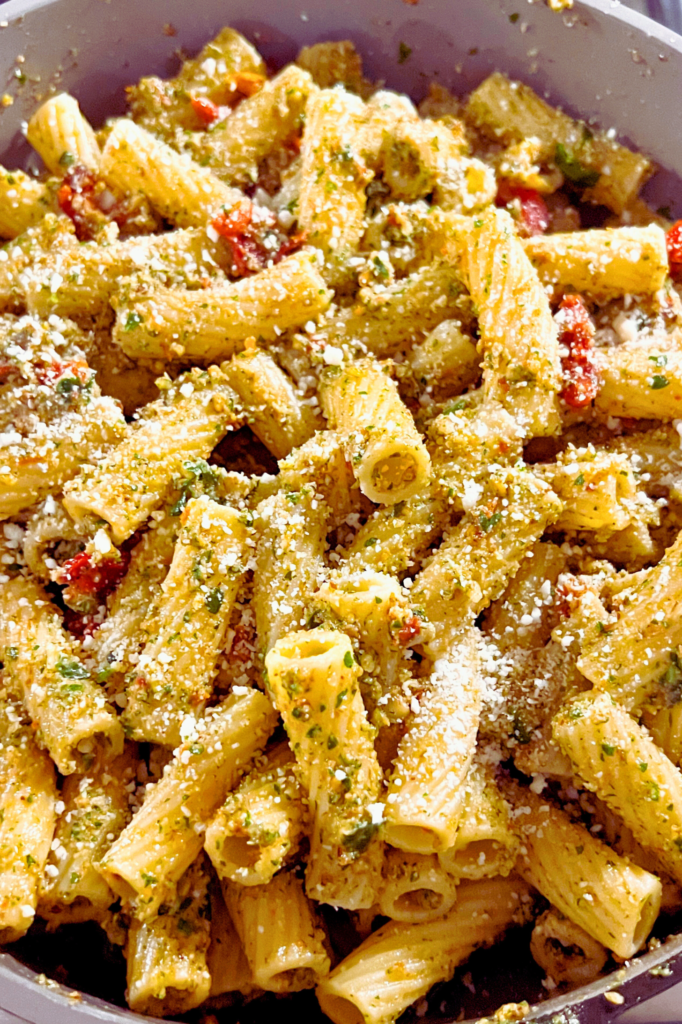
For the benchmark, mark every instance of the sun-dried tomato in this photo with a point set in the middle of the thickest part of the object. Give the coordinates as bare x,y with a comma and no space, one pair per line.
76,199
50,373
206,111
673,240
245,236
232,223
80,625
290,245
533,215
409,631
578,365
87,582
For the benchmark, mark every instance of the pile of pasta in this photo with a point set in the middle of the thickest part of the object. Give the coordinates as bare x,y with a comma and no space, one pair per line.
341,562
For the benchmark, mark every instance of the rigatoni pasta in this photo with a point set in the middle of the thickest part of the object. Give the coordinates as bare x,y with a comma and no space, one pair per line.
339,557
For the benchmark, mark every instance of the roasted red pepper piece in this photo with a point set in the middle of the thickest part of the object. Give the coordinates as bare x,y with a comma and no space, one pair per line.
534,215
578,364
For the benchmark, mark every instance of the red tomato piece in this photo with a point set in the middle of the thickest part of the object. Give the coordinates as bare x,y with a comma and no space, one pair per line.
85,580
50,373
206,111
231,223
76,199
673,240
409,631
534,215
579,367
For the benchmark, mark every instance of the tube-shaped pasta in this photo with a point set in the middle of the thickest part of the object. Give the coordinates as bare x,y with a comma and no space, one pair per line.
120,637
641,383
604,263
62,136
400,962
426,790
599,491
321,464
96,808
165,108
385,449
261,123
174,675
401,313
210,324
167,972
396,537
447,361
80,280
28,250
152,853
422,156
479,556
518,335
292,530
415,887
633,657
564,950
260,825
536,577
192,415
273,410
666,728
377,614
313,678
43,667
335,63
28,795
279,933
612,899
134,160
617,759
23,202
510,112
44,460
331,199
485,844
227,964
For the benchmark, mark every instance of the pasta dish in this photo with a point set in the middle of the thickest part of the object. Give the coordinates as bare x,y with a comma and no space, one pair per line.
341,490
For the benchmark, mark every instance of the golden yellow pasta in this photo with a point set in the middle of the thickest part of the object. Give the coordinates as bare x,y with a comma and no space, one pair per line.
340,550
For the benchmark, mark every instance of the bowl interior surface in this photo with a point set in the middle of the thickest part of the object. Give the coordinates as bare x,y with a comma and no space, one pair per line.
598,61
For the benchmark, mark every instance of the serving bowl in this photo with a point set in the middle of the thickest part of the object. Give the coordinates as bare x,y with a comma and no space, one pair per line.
599,60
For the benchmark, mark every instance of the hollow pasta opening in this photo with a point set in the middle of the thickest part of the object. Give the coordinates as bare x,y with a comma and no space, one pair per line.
412,838
294,980
394,472
648,915
237,850
340,1010
479,855
419,900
